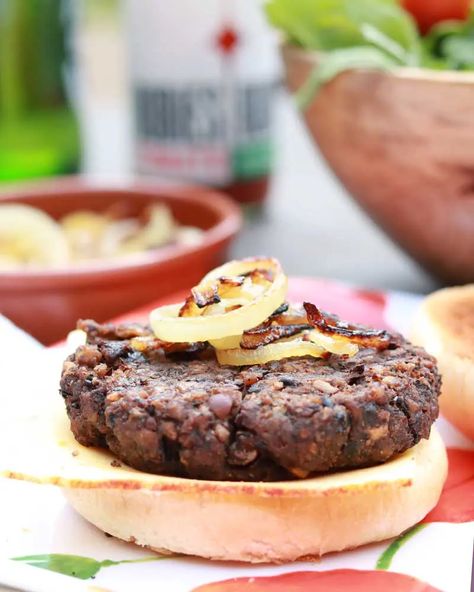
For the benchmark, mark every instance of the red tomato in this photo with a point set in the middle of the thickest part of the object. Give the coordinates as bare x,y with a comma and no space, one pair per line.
429,12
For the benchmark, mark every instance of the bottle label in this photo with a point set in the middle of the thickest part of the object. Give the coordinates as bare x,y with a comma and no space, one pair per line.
203,132
202,78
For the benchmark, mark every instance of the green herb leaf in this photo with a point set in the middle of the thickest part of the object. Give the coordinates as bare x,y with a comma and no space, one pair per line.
69,565
76,565
337,61
385,560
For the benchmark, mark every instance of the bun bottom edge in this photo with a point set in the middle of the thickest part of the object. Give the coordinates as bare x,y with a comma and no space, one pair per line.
255,528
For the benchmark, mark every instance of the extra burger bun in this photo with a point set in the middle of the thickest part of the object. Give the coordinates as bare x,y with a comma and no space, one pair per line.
242,521
444,326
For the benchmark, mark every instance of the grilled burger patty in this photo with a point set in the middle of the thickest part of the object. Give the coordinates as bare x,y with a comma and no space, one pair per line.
184,415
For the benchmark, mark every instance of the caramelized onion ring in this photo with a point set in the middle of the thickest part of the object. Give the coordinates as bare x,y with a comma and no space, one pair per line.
268,353
169,326
230,342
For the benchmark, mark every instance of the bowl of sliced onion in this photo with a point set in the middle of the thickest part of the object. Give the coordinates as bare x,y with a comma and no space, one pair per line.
69,250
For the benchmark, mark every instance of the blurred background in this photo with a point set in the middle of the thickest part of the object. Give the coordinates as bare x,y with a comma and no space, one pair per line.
114,91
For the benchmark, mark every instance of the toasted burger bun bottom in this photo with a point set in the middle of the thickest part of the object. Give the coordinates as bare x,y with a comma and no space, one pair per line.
444,326
272,522
242,521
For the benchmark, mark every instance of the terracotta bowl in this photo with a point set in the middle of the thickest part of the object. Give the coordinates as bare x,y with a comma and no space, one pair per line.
403,145
48,303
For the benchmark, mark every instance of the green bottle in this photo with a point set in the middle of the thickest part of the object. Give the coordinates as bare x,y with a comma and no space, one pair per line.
39,133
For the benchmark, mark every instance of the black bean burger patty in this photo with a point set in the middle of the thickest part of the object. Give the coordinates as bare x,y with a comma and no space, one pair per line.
191,417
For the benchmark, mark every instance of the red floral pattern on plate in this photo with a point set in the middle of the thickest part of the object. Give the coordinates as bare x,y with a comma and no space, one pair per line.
456,503
338,580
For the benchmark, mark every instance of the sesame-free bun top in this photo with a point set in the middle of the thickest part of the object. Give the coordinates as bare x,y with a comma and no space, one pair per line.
444,326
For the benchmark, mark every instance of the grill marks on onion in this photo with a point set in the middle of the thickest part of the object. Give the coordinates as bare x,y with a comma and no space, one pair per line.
265,335
285,322
290,322
377,339
204,296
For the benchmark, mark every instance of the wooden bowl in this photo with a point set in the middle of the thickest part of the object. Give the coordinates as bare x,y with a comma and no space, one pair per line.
403,144
47,303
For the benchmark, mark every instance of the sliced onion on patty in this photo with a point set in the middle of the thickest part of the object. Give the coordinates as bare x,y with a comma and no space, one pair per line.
223,304
294,347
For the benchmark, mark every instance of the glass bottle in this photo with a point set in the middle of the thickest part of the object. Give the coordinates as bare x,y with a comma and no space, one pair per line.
203,79
38,128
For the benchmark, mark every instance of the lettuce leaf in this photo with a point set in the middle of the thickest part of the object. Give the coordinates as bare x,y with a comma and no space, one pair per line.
338,61
325,25
377,34
450,45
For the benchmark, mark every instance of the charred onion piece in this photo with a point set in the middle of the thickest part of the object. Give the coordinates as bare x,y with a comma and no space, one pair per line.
97,331
188,308
280,324
206,297
367,338
234,341
203,296
200,298
267,334
280,310
188,348
284,322
232,282
146,345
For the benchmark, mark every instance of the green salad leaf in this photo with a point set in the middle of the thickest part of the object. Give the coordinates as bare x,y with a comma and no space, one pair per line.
377,34
325,25
338,61
450,45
